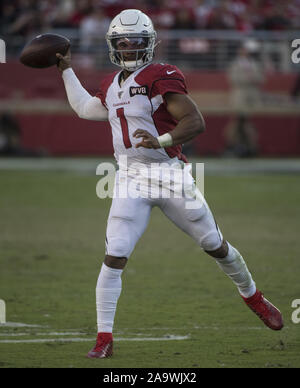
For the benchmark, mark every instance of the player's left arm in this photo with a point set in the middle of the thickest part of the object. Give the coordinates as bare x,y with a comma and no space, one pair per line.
186,112
190,123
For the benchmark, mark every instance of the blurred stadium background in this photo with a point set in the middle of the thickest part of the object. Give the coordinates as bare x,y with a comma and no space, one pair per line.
236,55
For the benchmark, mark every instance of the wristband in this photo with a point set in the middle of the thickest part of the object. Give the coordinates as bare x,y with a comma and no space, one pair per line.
165,140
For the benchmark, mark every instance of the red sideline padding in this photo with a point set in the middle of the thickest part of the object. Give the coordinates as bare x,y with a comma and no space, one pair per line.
69,135
16,79
65,135
278,135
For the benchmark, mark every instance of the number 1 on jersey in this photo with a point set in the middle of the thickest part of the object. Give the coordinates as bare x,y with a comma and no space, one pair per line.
124,127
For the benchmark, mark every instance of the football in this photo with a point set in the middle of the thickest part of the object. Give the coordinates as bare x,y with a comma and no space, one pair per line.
41,51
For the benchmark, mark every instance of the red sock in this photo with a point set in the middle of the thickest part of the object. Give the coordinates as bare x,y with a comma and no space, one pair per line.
105,337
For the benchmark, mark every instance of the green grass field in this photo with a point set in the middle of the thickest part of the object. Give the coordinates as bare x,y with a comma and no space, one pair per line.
52,246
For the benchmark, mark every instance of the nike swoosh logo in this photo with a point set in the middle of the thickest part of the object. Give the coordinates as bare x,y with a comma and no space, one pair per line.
170,72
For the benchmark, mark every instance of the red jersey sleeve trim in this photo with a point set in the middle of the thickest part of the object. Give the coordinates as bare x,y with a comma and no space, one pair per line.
105,84
166,85
102,97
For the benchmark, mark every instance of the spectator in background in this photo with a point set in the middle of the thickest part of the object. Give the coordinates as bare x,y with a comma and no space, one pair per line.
28,19
246,77
113,7
81,10
203,10
276,17
182,4
246,15
58,13
93,28
186,46
254,13
293,11
295,92
241,138
162,15
222,17
10,138
184,20
9,134
8,15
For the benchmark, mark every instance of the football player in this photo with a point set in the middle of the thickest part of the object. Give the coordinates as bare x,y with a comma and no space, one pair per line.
151,116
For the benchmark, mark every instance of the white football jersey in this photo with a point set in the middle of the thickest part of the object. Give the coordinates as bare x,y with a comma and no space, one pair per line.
139,104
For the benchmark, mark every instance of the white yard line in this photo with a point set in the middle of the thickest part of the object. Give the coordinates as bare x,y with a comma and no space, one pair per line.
196,327
46,340
18,324
4,334
127,330
136,332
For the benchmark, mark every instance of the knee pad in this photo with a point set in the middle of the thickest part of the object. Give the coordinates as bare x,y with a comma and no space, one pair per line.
118,247
211,241
119,237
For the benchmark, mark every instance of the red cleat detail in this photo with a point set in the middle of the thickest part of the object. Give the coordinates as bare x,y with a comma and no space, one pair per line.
268,313
103,347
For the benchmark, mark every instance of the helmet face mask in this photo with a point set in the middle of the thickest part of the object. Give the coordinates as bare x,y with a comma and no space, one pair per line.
131,40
